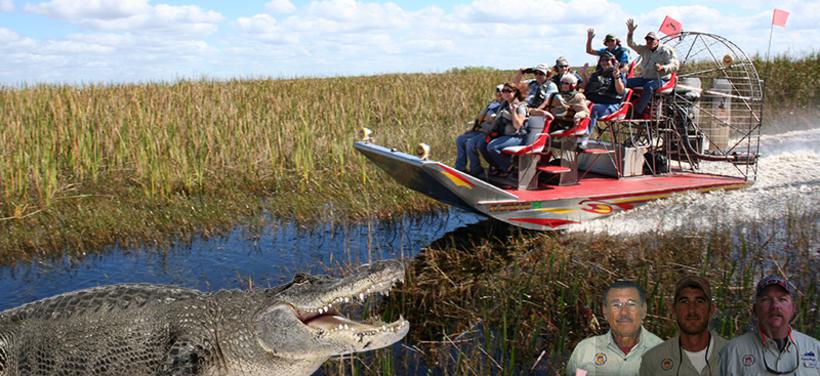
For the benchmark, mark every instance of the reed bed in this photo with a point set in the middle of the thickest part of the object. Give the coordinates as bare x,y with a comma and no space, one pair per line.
86,166
495,301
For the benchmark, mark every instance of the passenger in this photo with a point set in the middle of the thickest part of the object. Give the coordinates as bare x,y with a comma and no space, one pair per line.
619,351
469,144
693,352
774,347
658,61
605,89
561,68
539,88
568,106
613,46
510,125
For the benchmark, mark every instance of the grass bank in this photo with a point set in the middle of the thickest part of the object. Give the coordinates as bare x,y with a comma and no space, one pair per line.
93,165
489,301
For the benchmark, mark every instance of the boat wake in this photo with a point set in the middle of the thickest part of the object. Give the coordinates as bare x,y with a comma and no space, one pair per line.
788,181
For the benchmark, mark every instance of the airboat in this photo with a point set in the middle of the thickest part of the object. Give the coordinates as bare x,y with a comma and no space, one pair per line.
701,134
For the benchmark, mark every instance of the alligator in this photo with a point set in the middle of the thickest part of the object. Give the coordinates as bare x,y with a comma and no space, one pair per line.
141,329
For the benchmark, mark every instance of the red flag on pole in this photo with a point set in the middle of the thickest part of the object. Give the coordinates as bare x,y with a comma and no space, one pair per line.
671,26
780,17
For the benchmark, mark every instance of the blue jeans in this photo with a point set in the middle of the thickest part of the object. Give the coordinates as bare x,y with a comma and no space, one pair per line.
498,159
599,111
649,87
462,154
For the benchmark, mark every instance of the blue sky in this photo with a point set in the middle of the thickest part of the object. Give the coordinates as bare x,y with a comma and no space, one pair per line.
70,41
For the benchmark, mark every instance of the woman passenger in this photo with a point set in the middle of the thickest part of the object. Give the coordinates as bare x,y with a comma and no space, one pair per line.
510,124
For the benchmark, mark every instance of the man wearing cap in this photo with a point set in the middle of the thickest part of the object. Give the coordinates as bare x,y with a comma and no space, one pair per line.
561,69
612,45
694,350
658,61
619,351
539,88
774,347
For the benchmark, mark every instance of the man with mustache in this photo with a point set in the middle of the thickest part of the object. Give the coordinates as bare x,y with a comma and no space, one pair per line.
774,348
694,350
619,351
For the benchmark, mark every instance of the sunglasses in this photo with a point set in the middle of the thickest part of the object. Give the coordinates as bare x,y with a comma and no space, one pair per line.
563,66
505,90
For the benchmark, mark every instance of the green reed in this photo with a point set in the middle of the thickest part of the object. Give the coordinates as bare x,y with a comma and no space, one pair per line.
287,142
498,300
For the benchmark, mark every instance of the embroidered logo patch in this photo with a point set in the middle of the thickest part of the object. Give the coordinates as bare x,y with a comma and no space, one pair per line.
809,359
666,364
748,360
600,359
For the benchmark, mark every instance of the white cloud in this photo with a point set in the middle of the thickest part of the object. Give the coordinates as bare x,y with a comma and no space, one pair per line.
131,15
6,5
143,40
280,6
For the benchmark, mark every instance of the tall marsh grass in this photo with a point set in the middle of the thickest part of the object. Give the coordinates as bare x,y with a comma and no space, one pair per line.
202,152
489,301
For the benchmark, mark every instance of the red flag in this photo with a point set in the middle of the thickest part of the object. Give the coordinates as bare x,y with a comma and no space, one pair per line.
780,17
671,26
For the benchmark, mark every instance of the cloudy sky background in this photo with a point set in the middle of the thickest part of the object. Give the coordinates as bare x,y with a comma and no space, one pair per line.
113,41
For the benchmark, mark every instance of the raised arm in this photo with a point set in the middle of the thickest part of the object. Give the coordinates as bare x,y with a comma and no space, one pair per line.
630,29
590,35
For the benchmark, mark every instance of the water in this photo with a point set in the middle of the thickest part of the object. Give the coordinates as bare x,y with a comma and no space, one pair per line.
268,258
788,181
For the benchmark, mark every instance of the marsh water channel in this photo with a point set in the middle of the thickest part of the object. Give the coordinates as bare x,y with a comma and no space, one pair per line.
265,257
789,180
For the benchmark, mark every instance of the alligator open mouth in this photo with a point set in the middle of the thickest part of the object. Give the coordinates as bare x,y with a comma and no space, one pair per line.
327,316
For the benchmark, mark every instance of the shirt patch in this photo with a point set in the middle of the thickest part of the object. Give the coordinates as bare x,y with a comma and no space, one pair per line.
600,359
666,364
748,360
809,359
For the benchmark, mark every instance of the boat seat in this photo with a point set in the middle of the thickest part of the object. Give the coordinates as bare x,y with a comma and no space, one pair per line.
554,169
622,112
531,152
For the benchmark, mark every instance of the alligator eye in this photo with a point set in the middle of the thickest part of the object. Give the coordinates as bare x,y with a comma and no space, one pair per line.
301,278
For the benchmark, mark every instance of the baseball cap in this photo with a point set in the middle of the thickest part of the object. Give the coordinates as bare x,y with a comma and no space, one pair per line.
542,68
609,37
561,61
693,282
651,34
774,279
499,88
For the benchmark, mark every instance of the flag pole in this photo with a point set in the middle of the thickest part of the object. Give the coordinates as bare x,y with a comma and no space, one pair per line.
769,49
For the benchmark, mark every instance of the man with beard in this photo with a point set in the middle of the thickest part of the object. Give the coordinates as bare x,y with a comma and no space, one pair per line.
774,348
619,351
694,350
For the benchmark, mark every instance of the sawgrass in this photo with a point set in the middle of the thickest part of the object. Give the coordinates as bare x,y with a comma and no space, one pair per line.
496,301
98,156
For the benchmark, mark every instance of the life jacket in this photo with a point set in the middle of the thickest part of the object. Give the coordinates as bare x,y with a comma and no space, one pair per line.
601,89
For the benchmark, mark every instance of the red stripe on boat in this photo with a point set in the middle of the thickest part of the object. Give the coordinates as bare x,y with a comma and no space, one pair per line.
456,174
549,222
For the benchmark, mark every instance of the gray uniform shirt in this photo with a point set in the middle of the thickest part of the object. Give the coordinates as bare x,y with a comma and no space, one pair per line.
750,353
663,55
668,358
600,355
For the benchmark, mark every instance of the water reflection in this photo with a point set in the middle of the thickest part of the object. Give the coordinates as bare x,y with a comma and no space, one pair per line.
268,256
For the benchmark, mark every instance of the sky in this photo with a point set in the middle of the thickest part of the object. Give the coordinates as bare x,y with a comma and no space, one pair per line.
134,41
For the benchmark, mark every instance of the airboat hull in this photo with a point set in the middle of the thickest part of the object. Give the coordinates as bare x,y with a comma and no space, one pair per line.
550,208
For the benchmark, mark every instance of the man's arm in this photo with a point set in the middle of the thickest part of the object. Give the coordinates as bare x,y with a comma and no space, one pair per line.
590,35
630,27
